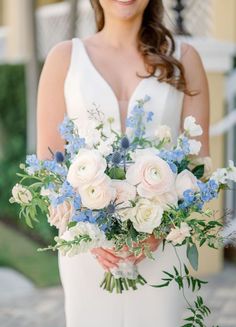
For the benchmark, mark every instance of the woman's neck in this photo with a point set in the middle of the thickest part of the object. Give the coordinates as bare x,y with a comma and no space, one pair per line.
119,34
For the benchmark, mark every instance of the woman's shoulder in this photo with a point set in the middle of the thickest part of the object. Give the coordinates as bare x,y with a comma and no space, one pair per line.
59,54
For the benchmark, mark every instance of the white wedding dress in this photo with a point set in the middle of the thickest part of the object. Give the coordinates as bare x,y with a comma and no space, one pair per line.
86,304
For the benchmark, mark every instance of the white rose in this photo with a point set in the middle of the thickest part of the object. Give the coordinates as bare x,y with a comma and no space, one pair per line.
126,213
60,215
88,166
97,194
163,132
167,199
21,194
178,234
191,128
185,181
194,147
148,216
152,175
125,192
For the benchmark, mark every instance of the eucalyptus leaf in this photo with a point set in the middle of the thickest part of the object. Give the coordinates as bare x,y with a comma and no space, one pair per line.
192,255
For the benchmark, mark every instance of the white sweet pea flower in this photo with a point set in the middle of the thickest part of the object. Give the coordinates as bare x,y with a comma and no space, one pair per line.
88,166
90,133
231,171
21,194
194,147
191,128
105,148
163,132
220,176
178,234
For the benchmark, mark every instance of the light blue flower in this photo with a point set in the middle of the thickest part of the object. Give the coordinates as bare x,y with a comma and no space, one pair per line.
149,116
33,164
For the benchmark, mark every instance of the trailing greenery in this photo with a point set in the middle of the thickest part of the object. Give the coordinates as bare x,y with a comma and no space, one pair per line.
13,143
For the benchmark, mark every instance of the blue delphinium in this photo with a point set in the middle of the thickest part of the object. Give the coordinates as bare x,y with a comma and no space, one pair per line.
85,216
136,120
176,155
209,190
55,167
33,163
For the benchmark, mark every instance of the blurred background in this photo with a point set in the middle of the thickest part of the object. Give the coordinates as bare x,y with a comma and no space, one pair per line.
30,289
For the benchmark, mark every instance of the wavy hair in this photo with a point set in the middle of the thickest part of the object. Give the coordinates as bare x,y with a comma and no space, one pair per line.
156,45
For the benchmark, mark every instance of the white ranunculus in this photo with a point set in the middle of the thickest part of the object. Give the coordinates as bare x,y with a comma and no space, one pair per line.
21,194
125,193
178,234
191,128
60,215
88,166
185,181
151,174
148,215
97,194
163,132
194,147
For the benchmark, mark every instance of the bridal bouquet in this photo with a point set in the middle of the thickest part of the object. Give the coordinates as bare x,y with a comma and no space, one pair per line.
114,191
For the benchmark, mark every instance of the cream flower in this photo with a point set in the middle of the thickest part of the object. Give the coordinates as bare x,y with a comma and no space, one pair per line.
178,234
97,239
105,148
194,147
206,161
90,133
88,166
60,215
125,192
191,128
148,215
163,132
21,194
97,194
152,175
167,199
185,181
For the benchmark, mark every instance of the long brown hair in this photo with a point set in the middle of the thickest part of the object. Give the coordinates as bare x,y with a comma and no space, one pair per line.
155,43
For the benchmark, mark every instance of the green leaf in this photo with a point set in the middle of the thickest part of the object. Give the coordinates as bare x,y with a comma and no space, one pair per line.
116,173
192,255
198,171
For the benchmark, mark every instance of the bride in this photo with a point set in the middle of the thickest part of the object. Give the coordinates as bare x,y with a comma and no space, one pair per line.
131,55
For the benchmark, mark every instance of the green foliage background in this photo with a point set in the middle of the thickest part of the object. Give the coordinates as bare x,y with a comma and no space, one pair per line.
13,146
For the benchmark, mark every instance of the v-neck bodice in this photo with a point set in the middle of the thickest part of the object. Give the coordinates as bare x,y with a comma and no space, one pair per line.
85,88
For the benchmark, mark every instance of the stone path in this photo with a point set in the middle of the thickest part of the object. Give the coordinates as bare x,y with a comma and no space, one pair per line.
22,305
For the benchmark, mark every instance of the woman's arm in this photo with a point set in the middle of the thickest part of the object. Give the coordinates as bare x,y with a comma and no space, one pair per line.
198,105
51,106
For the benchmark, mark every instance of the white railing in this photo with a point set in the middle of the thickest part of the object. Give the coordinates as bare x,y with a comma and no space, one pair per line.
198,16
53,24
3,43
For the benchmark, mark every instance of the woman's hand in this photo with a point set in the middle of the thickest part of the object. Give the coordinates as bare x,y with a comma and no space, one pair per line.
106,257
